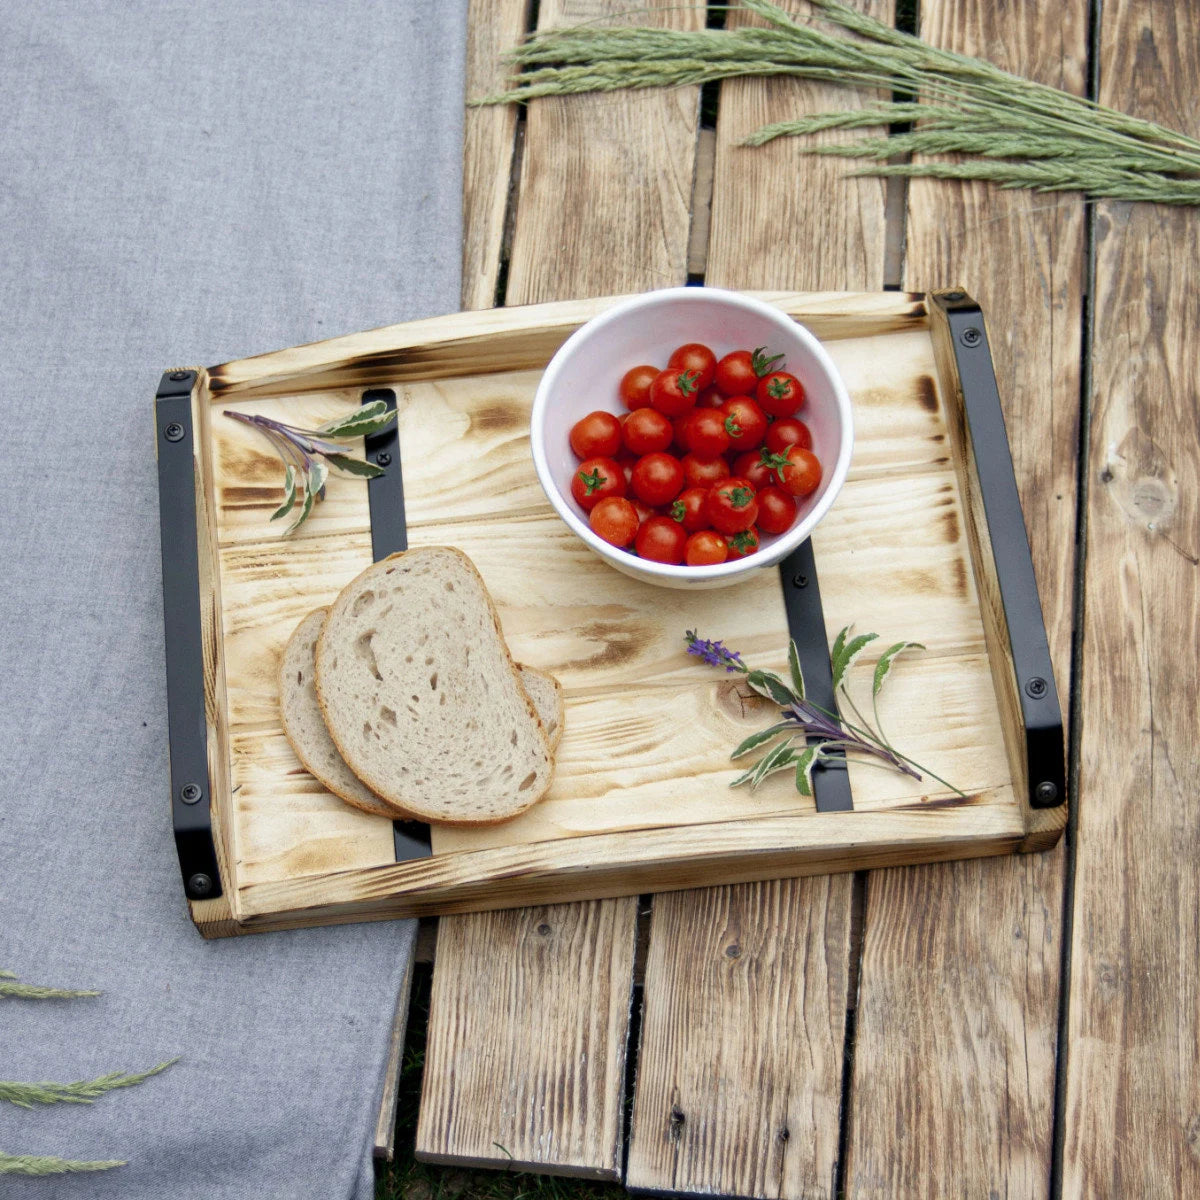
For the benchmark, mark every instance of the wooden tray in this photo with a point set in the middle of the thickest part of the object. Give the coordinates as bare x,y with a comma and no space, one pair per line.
926,541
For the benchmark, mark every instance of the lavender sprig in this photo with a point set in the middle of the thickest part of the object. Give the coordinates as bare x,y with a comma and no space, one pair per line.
823,731
307,454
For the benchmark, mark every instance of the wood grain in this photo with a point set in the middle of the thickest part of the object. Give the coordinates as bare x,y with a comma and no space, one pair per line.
958,991
767,205
1132,1108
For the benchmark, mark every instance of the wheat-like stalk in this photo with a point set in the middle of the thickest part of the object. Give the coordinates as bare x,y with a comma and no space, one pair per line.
1003,128
82,1091
30,991
36,1164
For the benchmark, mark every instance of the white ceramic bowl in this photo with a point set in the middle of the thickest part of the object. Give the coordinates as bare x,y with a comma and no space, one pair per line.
585,374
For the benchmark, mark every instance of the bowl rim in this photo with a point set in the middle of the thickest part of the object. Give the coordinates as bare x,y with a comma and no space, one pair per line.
691,295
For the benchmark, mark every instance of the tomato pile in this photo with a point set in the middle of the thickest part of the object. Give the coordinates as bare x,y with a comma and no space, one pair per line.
709,456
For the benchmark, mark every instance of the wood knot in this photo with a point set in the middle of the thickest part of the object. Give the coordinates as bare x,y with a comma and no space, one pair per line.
733,951
676,1122
784,1133
544,929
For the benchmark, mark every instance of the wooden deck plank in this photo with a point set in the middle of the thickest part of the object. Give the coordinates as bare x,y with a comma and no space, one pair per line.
740,1064
529,1014
957,1011
1132,1106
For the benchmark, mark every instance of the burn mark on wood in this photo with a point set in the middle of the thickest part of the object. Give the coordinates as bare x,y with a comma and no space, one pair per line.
926,393
500,418
950,527
942,802
959,568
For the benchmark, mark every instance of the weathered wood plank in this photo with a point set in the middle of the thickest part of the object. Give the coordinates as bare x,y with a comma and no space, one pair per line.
780,1055
545,1031
956,1020
1132,1107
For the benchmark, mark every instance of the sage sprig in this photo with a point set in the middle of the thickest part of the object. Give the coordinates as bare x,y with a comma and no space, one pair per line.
308,454
1006,129
805,735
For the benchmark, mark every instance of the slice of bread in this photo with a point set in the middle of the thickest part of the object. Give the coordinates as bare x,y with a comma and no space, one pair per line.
304,724
421,696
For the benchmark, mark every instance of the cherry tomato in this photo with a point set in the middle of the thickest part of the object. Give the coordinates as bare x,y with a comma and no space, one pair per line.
703,472
657,478
802,473
695,357
704,432
688,509
679,438
646,431
710,398
674,392
738,373
705,549
661,540
788,431
598,435
644,511
615,520
596,480
635,386
780,394
743,543
752,467
776,510
745,423
731,506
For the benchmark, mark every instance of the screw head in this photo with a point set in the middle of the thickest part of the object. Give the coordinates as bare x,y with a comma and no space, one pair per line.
179,376
971,336
174,432
1036,687
383,458
199,885
190,793
799,580
954,297
1046,792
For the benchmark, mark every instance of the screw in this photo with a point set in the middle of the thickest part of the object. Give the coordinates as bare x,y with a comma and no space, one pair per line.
971,336
179,376
1046,792
954,297
173,432
190,793
383,458
200,885
799,581
1036,687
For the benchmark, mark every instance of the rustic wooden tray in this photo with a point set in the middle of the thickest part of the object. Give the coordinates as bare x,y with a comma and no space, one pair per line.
926,541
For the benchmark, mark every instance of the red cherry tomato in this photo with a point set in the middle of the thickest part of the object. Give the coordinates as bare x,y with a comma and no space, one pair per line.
752,467
704,432
661,540
703,472
596,480
688,509
705,549
615,520
674,392
598,435
644,511
635,386
743,543
802,473
679,437
695,357
788,431
745,423
731,506
657,478
646,431
710,398
776,510
738,373
780,394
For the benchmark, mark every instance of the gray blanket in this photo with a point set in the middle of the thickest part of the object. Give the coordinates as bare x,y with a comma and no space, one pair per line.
181,183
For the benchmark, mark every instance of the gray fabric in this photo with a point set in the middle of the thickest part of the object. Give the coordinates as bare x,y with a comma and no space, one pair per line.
181,182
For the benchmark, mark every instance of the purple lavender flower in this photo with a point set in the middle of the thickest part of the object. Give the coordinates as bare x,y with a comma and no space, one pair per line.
715,653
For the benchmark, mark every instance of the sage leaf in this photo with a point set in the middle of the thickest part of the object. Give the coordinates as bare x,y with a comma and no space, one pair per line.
794,669
317,474
762,737
305,508
778,759
805,762
289,493
849,652
353,466
839,642
368,412
767,683
884,666
359,425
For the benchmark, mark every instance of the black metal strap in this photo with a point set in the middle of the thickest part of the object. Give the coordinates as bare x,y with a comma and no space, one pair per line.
806,625
389,535
191,795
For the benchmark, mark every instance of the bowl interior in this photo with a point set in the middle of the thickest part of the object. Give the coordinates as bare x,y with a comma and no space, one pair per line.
586,372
